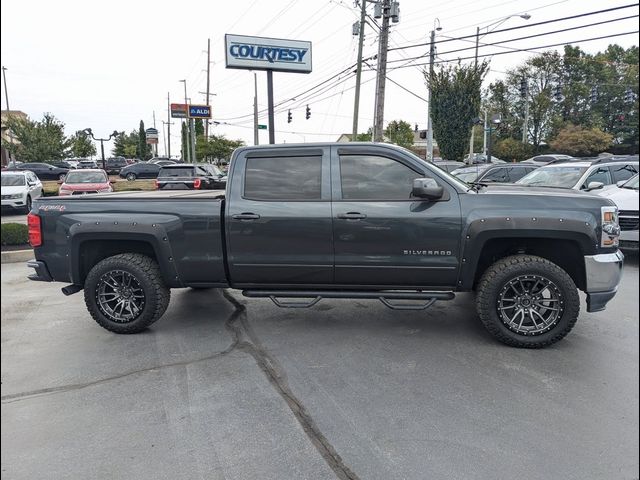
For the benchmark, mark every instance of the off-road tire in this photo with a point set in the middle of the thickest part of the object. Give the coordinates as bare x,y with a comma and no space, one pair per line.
498,275
147,273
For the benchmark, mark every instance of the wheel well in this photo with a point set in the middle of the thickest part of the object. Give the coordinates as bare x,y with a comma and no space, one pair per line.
93,251
567,254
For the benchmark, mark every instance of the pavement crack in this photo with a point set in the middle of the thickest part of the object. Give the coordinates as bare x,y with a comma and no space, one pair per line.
229,325
248,342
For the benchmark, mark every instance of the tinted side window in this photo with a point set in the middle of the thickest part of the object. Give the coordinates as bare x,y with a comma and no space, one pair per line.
518,173
496,175
624,171
283,178
368,177
600,174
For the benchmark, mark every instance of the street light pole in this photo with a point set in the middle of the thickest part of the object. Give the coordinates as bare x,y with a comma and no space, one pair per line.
4,79
356,102
115,133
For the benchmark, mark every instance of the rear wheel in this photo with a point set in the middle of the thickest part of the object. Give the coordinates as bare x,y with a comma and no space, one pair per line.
28,205
527,301
131,176
125,293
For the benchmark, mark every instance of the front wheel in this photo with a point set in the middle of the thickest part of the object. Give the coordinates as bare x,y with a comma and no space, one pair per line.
527,301
125,293
131,176
28,205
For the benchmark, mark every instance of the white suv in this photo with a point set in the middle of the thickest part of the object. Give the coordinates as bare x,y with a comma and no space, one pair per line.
582,175
19,189
625,196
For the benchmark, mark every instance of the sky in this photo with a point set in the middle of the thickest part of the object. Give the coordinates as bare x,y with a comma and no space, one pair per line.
108,65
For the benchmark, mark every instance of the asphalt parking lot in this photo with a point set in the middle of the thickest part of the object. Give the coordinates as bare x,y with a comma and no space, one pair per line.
223,387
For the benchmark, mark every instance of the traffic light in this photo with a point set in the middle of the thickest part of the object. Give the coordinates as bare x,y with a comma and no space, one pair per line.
423,134
557,93
308,113
289,117
524,88
594,94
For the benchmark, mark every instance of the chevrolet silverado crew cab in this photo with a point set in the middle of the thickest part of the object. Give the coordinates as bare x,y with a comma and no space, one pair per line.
299,223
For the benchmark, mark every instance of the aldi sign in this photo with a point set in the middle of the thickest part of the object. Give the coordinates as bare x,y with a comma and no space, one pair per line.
199,111
258,53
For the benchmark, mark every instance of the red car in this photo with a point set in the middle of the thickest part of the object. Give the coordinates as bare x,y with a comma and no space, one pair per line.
80,182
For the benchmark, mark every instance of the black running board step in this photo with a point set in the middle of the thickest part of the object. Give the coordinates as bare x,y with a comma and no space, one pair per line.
385,296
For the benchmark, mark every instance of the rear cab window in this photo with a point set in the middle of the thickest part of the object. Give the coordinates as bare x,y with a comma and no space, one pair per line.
295,178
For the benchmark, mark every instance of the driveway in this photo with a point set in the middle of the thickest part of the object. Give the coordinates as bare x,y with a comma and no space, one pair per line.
223,387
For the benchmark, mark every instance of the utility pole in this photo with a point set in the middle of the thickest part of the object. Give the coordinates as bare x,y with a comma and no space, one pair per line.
168,126
155,145
473,127
383,46
432,57
272,122
525,127
4,79
256,137
187,146
206,123
356,103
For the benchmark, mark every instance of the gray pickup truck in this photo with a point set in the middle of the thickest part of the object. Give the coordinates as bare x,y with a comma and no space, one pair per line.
299,223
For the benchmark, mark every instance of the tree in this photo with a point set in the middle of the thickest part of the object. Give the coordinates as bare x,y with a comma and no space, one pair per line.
217,147
199,127
144,150
400,133
126,145
455,99
81,145
511,149
581,142
184,146
42,141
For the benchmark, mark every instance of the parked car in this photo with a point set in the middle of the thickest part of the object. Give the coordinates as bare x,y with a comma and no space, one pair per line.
72,162
11,164
582,175
140,170
87,164
202,176
64,164
19,189
336,220
447,165
493,173
163,161
625,196
548,158
481,158
114,165
44,171
84,181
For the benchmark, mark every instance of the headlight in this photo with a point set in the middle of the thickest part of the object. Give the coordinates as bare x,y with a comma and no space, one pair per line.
16,195
610,227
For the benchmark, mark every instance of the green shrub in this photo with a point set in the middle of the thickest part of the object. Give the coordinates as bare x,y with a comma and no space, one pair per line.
15,234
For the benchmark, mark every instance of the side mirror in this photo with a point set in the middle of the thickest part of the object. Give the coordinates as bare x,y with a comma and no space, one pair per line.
50,167
426,188
594,186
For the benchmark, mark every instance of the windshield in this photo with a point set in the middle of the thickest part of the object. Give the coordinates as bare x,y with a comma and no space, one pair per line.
562,177
632,183
12,180
467,176
85,177
176,172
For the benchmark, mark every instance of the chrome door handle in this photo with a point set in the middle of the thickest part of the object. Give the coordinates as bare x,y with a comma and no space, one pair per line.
245,216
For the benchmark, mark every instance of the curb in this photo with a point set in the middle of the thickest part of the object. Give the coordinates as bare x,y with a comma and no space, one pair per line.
17,256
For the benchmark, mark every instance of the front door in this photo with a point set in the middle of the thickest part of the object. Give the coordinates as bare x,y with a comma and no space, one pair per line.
279,217
383,236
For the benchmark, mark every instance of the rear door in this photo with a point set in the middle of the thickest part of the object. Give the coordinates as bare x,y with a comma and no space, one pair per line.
279,217
383,236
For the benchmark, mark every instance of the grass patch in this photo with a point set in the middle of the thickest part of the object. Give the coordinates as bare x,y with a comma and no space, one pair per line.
14,234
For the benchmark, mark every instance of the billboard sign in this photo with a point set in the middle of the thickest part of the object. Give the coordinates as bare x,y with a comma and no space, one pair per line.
151,133
179,110
199,111
259,53
152,140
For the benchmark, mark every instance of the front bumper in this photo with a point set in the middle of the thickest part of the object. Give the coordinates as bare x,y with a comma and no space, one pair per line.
603,274
16,203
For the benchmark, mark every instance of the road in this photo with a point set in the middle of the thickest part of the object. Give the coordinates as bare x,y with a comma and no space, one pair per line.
228,388
14,217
